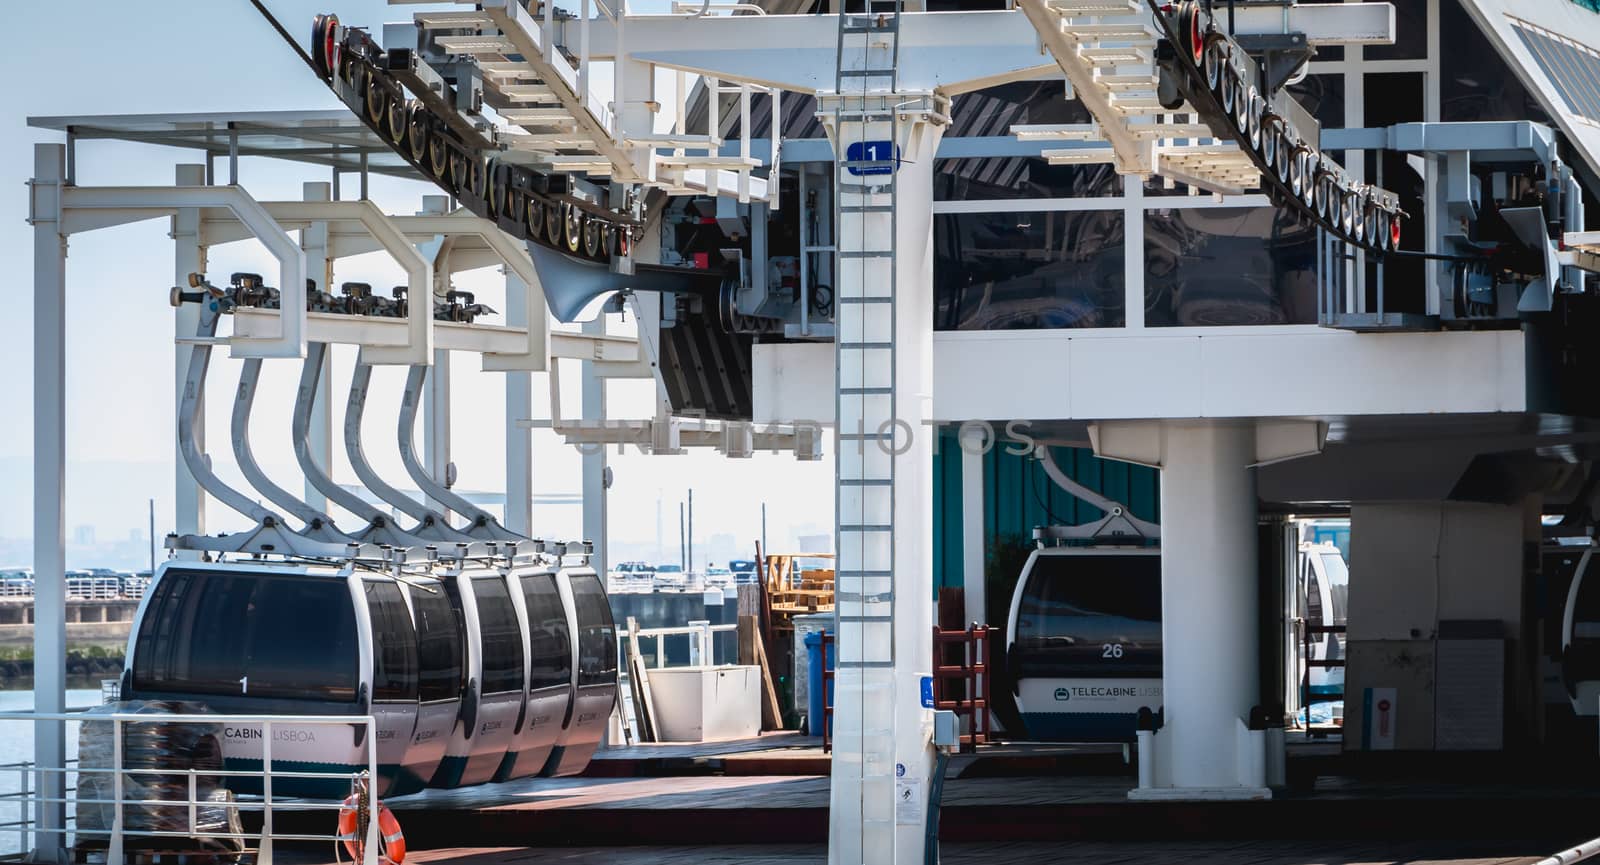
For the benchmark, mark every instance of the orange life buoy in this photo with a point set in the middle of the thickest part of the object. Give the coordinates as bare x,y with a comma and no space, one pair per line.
391,841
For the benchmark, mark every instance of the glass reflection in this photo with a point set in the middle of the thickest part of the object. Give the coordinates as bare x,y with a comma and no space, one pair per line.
1229,266
1028,271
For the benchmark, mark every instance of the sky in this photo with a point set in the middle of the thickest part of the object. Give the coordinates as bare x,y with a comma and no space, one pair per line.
180,56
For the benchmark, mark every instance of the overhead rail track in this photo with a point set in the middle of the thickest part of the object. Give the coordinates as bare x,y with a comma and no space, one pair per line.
1173,94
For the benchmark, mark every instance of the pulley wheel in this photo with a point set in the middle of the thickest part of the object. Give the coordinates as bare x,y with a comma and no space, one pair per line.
552,223
592,238
417,129
324,46
535,217
438,158
377,101
1216,61
395,116
574,227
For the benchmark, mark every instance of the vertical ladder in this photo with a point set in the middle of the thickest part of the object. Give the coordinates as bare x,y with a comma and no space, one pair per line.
867,137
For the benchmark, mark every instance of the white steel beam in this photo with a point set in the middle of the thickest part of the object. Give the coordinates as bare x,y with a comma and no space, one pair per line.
49,495
189,256
518,516
319,267
88,207
486,339
418,348
595,516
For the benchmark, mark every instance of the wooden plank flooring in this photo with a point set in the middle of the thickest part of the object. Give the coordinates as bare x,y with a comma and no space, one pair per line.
1129,853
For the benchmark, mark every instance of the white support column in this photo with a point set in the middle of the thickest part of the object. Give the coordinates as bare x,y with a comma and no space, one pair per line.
189,256
49,494
1208,601
319,268
594,464
518,516
973,441
436,423
883,755
1209,624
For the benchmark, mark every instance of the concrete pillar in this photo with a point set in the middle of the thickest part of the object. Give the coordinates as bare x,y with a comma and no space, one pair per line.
189,256
1209,596
49,494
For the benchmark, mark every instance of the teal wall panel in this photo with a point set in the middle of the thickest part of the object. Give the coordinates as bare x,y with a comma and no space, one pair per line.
1019,496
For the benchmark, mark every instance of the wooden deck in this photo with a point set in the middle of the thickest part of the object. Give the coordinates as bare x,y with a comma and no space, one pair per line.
1132,853
1060,803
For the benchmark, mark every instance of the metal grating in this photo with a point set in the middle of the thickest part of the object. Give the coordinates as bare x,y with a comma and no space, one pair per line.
1573,68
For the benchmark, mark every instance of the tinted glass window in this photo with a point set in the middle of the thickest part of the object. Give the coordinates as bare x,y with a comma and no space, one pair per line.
394,650
1028,270
439,646
279,636
1410,33
597,636
303,639
1091,616
502,636
1229,266
549,638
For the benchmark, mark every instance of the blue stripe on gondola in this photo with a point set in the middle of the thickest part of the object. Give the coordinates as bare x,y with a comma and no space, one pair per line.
1081,726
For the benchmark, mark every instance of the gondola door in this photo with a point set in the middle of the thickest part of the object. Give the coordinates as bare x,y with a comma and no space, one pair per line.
441,677
1084,642
393,641
550,687
594,646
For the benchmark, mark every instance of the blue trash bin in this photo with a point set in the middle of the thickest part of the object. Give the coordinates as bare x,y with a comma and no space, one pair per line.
814,684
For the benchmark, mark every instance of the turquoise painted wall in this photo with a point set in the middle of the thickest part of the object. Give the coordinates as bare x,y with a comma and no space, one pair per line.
1018,496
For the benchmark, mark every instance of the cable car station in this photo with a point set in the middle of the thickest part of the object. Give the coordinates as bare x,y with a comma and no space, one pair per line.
1207,270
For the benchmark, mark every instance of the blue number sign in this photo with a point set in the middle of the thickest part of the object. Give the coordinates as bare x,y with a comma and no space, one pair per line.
872,151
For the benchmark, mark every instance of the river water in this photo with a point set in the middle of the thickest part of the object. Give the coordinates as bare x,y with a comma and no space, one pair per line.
16,746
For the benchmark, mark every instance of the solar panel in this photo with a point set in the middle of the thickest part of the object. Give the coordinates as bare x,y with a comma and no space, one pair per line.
1573,68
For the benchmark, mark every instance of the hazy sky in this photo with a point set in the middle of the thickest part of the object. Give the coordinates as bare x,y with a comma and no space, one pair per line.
173,56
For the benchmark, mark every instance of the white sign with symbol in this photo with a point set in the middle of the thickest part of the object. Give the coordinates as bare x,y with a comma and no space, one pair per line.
1381,710
908,801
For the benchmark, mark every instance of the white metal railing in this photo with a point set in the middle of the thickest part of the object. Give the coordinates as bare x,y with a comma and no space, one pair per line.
48,798
702,651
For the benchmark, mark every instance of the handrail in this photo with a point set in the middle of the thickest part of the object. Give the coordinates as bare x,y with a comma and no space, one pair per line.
32,803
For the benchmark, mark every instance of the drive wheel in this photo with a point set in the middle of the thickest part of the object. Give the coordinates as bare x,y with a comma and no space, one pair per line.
593,240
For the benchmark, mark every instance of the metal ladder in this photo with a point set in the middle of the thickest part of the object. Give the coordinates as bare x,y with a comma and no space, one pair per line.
865,406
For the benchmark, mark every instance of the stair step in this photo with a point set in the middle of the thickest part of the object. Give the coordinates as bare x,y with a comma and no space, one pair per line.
1094,7
1102,32
1114,56
866,208
1080,156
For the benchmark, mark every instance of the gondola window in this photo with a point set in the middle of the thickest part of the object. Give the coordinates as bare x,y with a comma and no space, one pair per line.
502,636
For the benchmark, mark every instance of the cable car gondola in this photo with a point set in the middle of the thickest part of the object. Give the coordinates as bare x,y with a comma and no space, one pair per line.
1580,639
492,699
282,639
441,675
549,672
594,676
1084,641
